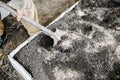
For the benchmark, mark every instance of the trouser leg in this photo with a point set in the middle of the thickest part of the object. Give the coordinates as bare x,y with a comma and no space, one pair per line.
31,29
32,14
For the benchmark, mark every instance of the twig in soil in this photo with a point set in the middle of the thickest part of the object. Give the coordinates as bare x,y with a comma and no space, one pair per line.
10,76
12,26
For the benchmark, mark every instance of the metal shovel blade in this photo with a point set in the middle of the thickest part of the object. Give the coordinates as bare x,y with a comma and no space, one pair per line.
58,33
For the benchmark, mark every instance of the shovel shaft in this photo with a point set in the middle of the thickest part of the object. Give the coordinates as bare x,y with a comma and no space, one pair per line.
37,25
7,7
42,28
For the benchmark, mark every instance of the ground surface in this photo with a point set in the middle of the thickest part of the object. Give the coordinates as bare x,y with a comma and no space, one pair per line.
96,50
90,51
48,10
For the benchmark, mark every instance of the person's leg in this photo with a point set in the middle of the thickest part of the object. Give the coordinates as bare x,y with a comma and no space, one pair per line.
32,14
27,9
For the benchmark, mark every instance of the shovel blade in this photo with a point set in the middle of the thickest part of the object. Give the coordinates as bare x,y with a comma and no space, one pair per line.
59,34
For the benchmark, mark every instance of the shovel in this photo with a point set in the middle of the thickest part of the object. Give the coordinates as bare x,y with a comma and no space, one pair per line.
56,36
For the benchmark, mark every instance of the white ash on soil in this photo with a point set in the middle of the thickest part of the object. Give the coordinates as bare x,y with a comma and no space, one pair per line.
86,53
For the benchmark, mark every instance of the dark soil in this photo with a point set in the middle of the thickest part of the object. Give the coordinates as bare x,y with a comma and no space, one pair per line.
90,50
48,10
92,55
15,33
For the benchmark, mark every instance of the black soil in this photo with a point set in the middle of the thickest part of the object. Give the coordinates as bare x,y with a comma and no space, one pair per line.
86,52
89,55
15,33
